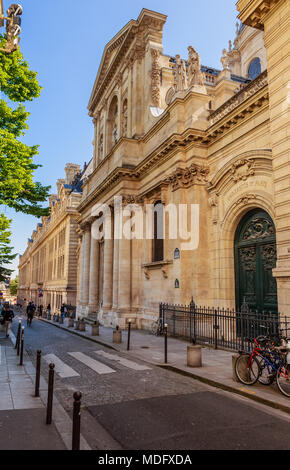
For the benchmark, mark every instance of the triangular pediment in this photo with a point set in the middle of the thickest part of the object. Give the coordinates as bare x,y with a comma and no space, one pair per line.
120,42
110,52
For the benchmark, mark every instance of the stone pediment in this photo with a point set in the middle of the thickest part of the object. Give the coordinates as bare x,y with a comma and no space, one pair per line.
131,36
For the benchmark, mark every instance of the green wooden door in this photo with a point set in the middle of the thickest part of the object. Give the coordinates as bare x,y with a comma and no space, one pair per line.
255,257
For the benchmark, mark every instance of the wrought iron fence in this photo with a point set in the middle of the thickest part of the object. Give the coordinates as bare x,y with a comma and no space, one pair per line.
221,328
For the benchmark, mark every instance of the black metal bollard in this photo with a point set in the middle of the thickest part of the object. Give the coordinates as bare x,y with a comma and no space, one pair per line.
165,343
50,394
129,333
21,347
18,337
37,378
76,433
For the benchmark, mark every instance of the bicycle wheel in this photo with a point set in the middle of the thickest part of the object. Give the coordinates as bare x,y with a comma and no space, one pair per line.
154,328
247,373
283,381
266,376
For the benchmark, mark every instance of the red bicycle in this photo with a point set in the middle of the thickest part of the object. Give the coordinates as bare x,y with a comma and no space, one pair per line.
265,365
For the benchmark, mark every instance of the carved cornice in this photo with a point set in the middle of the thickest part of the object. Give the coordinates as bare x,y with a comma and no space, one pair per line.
253,12
186,177
251,89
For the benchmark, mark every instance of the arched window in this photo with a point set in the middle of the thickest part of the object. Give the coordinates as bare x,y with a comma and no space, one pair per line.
158,228
254,68
113,123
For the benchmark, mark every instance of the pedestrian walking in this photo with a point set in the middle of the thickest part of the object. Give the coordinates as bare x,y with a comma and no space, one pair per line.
8,316
63,311
30,313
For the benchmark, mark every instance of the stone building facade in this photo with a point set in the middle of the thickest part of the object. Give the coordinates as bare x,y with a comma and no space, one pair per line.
172,132
48,267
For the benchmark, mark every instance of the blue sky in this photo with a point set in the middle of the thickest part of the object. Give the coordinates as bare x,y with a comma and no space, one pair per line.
63,40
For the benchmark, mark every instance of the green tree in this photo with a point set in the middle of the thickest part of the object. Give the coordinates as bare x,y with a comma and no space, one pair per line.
18,190
13,286
6,256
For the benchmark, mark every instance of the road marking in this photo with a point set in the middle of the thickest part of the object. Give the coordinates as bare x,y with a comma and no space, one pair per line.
248,391
62,369
122,360
92,363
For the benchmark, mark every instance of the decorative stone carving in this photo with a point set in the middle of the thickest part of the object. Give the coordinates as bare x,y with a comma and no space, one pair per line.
186,177
147,273
225,60
213,202
155,78
245,199
242,169
169,95
195,76
179,71
125,118
164,270
132,199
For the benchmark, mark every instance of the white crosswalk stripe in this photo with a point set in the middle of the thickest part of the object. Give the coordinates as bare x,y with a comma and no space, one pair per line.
62,369
97,366
122,360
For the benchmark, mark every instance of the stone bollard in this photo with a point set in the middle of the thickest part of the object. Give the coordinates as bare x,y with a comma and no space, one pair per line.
117,336
194,358
76,324
82,325
71,323
95,329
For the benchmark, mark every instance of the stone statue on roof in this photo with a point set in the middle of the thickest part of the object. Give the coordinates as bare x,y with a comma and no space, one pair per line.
195,75
179,70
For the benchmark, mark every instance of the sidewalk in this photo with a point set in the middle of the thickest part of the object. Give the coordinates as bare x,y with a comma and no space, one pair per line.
22,415
216,367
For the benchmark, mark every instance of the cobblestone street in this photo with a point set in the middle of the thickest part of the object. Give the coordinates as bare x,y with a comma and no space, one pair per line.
128,404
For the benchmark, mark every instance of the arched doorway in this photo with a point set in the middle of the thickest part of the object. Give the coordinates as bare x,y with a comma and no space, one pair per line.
255,257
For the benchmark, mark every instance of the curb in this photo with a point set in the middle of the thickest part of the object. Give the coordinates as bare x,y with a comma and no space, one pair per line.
75,332
61,418
226,388
171,368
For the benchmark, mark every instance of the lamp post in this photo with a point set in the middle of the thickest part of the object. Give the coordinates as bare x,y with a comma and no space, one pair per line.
13,29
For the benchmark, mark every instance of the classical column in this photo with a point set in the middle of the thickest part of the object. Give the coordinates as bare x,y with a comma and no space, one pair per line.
108,270
86,264
94,274
117,227
124,287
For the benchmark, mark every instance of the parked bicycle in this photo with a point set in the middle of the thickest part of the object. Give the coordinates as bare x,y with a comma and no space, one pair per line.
157,328
265,364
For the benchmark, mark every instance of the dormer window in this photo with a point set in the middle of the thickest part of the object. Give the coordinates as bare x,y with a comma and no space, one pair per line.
254,68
